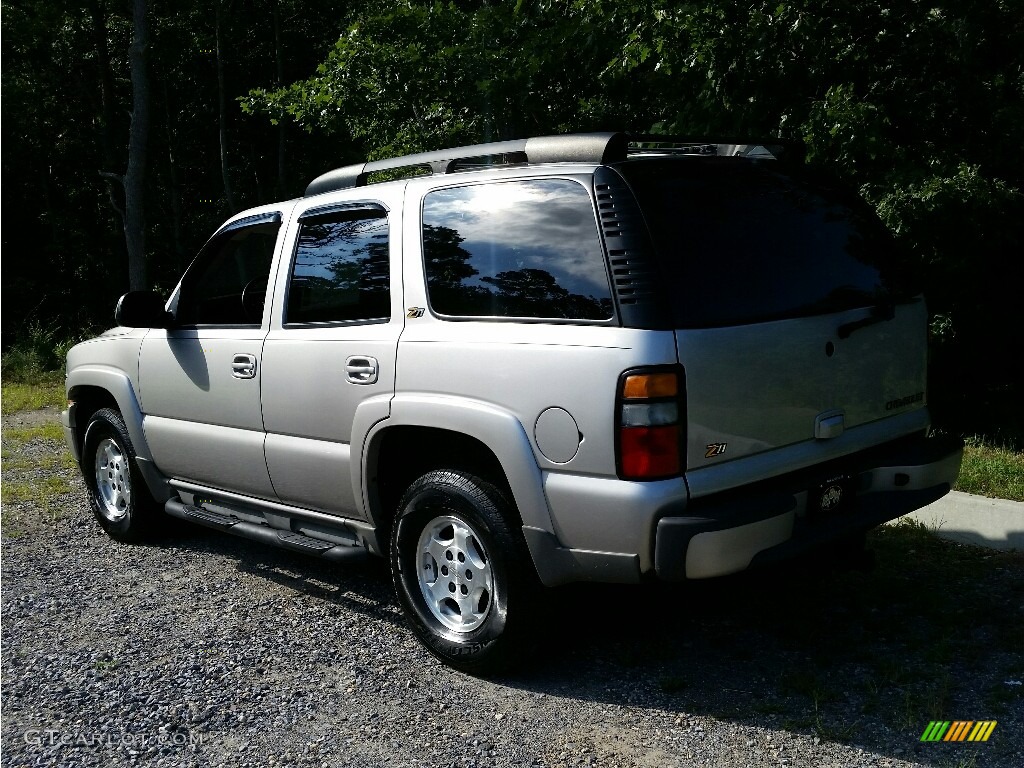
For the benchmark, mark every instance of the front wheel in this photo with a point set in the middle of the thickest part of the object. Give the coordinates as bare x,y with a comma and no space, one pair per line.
462,572
117,493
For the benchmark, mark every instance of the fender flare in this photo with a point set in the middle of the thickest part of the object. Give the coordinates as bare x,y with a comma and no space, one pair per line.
498,429
119,386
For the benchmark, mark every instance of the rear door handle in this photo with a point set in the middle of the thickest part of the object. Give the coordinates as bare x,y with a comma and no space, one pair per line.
243,366
362,370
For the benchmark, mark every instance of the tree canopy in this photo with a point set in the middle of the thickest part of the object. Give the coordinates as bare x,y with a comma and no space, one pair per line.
914,104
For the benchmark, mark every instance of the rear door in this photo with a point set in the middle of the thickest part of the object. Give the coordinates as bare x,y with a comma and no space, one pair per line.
329,358
795,321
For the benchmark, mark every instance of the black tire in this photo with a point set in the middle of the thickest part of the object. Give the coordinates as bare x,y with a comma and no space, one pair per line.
118,495
481,631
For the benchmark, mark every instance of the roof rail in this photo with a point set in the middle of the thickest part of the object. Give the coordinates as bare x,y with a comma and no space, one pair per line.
571,148
771,149
602,148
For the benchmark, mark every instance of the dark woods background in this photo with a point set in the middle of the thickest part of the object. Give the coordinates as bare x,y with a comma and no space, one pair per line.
917,105
67,111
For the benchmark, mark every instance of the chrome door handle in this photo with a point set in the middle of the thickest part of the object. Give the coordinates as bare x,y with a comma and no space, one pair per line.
362,370
243,366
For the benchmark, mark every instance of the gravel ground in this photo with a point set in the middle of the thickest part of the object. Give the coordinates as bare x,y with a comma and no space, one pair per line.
200,649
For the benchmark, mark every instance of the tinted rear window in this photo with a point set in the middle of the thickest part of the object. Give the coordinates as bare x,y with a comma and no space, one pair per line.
515,249
738,242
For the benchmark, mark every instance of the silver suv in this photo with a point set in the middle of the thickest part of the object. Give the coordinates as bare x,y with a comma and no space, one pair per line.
522,364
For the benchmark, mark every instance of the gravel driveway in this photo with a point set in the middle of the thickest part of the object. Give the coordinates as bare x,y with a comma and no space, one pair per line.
202,649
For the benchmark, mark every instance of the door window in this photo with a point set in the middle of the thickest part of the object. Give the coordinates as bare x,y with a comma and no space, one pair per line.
341,271
227,283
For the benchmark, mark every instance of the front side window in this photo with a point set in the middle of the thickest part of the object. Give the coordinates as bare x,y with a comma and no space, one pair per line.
515,249
341,271
227,283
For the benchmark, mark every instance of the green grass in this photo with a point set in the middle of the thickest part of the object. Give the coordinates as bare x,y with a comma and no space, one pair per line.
826,728
38,471
18,396
31,381
33,369
43,491
14,463
51,430
992,470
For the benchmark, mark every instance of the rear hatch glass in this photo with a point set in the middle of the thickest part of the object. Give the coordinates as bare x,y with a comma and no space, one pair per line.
741,242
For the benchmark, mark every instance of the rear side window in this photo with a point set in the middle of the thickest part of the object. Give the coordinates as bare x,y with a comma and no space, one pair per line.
515,249
341,271
740,243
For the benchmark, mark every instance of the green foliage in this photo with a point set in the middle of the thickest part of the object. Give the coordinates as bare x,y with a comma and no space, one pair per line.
916,105
67,104
32,369
964,229
992,469
425,75
37,356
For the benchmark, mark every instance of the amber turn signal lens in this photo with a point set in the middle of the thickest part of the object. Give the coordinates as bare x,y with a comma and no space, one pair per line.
648,385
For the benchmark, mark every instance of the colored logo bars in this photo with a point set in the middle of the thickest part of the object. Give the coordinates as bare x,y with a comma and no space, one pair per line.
958,730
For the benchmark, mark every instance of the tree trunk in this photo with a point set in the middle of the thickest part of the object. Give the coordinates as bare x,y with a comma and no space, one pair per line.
174,192
282,182
223,118
135,175
98,16
108,126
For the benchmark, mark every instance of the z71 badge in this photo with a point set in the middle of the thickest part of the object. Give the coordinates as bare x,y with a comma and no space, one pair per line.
714,449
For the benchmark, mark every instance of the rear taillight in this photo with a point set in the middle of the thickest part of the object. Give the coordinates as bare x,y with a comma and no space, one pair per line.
650,423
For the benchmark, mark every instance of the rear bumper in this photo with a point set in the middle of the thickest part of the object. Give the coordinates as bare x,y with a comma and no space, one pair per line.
732,531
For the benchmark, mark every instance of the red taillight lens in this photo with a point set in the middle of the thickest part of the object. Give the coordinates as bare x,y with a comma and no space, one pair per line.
650,423
649,452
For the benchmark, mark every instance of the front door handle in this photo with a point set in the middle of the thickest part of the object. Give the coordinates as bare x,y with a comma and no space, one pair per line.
243,366
362,370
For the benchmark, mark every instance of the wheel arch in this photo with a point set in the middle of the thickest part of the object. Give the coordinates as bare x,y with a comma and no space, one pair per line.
94,387
425,433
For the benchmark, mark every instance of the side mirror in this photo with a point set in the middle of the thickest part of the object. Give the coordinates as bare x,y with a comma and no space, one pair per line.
142,309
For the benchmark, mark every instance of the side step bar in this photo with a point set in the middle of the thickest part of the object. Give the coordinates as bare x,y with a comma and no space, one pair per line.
296,542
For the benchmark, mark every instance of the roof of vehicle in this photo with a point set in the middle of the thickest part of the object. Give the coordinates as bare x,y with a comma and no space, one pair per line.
596,148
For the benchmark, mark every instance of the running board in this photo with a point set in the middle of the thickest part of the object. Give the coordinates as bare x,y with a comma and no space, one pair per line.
296,542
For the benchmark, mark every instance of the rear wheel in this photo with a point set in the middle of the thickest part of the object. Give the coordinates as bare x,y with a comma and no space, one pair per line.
118,495
462,572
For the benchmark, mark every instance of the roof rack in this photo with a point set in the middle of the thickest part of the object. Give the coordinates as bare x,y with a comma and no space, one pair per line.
766,149
601,148
570,148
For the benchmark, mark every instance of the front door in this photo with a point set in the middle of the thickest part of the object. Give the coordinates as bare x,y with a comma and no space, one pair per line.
200,380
